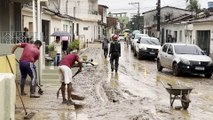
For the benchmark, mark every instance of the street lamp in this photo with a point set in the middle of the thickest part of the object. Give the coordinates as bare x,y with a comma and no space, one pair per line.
138,16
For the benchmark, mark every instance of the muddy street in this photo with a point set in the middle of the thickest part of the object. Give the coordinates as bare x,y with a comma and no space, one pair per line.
136,92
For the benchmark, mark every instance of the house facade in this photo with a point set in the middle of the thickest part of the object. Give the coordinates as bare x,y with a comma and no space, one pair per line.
167,12
102,24
187,29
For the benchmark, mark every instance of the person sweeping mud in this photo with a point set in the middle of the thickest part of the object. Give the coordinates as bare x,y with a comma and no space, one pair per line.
65,66
114,53
29,56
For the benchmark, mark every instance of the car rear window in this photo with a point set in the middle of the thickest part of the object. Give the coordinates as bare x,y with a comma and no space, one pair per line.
186,49
151,41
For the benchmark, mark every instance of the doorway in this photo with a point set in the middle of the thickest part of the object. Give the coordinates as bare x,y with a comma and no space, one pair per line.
203,40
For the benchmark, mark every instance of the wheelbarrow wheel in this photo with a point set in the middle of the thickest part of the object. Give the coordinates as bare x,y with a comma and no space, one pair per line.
185,105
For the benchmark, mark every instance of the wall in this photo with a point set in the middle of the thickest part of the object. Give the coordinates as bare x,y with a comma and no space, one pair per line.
149,17
204,26
7,88
92,33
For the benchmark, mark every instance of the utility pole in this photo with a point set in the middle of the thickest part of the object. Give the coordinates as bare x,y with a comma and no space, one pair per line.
138,15
158,18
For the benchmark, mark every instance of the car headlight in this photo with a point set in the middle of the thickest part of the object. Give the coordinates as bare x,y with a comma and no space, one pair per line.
143,48
185,61
210,62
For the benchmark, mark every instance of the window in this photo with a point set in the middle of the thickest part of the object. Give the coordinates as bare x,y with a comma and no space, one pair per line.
85,28
170,50
165,47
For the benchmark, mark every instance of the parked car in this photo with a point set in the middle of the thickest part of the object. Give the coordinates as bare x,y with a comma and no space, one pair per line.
184,58
134,40
147,47
121,37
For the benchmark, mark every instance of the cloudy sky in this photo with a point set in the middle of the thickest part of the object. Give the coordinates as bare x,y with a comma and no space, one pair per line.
145,5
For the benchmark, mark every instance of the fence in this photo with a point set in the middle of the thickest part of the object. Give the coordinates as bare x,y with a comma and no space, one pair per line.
12,37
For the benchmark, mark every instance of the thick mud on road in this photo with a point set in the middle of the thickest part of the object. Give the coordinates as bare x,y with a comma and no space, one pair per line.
136,92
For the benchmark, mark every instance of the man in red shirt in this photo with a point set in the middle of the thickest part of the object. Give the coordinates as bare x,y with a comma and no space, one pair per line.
66,75
29,56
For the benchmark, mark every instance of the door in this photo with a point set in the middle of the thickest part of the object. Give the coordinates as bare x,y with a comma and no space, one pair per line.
45,31
203,40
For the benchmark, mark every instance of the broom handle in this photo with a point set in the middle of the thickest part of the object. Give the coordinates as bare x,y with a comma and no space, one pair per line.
17,86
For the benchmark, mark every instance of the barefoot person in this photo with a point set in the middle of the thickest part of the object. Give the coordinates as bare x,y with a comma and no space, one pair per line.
29,56
65,66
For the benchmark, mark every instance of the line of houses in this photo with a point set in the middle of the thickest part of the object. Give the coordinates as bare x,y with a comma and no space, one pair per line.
181,25
85,19
88,21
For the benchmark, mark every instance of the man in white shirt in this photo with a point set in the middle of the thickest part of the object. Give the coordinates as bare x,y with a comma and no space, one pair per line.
57,47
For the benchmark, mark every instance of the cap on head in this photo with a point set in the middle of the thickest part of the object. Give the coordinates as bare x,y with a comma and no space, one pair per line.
115,37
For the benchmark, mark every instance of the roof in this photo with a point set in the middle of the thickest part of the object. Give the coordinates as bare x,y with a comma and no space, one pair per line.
205,19
103,6
164,8
63,16
184,17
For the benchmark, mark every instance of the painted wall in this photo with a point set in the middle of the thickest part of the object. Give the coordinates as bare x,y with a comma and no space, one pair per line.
204,26
149,17
7,87
8,96
89,29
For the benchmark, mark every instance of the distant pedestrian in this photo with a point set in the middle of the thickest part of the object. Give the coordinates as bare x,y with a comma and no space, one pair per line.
66,75
65,42
26,37
29,56
57,48
115,53
105,47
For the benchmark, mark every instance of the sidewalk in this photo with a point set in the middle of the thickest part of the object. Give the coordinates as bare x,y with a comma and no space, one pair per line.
48,107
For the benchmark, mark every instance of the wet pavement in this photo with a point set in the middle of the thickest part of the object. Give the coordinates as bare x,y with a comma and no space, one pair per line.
136,92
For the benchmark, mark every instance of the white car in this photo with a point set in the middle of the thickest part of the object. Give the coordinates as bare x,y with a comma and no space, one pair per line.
135,38
147,47
121,37
184,58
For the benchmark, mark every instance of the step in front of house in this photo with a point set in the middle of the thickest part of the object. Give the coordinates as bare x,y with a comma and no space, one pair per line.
50,76
52,82
50,69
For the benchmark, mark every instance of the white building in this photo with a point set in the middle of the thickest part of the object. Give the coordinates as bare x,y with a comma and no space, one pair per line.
167,12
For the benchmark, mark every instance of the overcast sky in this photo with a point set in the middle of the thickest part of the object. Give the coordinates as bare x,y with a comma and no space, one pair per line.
116,6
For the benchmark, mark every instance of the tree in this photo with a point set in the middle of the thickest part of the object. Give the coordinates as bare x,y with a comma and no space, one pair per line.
193,6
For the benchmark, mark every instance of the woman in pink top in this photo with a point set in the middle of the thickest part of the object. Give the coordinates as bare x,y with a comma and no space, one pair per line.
66,75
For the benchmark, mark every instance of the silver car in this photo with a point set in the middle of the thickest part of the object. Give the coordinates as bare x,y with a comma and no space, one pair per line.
184,58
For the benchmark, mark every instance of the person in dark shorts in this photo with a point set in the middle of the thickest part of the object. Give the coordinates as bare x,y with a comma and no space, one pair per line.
65,66
29,56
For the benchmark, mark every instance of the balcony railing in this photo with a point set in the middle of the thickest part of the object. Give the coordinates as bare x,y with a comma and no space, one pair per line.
8,37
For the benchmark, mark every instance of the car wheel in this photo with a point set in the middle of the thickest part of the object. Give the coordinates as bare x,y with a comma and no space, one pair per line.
138,55
159,67
135,54
176,70
185,105
208,75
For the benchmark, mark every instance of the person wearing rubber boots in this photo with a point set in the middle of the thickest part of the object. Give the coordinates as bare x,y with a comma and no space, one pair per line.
114,53
29,56
65,66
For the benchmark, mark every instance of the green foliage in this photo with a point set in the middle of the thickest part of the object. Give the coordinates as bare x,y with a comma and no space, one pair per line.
74,45
50,47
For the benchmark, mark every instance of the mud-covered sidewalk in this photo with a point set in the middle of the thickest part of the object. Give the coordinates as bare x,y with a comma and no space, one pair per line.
48,107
